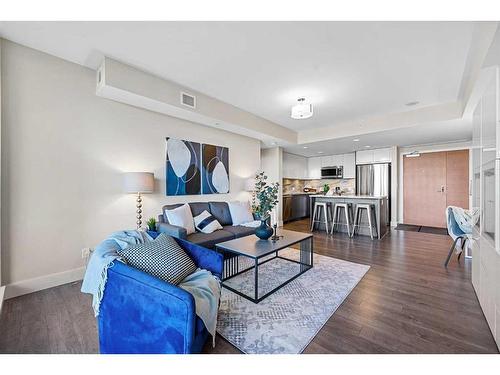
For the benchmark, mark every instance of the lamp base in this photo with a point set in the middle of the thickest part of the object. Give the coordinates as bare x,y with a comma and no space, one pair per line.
139,211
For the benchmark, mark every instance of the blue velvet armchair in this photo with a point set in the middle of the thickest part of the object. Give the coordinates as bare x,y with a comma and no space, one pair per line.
140,313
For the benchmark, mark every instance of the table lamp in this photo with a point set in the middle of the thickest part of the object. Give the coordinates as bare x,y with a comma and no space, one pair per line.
138,183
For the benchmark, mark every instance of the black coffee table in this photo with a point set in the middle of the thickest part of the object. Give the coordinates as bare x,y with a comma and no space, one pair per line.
255,249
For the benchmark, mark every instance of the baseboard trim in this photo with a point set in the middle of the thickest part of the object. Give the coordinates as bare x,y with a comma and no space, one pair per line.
2,294
43,282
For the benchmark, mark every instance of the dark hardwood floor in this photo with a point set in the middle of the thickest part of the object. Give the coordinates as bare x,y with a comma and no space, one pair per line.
407,303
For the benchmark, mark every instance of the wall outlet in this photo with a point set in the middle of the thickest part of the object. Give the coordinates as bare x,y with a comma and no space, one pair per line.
85,252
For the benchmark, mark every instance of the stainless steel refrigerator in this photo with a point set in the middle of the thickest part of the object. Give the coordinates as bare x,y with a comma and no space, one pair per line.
375,180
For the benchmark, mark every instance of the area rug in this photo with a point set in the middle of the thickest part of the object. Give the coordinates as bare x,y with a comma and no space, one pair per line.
287,320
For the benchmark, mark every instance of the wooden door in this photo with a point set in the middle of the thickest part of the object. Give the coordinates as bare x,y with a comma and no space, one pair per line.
424,185
457,178
432,182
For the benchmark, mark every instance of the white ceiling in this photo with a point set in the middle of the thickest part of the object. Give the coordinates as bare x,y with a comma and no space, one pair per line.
431,133
348,70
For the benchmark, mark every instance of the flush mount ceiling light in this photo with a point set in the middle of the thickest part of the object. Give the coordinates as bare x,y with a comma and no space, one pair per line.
302,110
355,140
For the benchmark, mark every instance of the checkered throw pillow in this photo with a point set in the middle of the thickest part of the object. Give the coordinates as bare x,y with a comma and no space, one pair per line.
162,258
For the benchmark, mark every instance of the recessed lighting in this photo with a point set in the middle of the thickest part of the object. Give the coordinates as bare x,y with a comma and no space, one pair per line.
410,104
320,152
355,140
368,146
274,143
305,147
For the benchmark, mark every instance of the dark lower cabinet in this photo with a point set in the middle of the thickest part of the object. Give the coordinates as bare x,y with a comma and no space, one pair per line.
295,207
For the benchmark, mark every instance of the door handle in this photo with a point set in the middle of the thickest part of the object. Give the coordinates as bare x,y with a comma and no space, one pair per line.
441,190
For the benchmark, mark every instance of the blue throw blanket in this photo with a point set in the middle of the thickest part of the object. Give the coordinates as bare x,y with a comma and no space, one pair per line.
205,288
102,258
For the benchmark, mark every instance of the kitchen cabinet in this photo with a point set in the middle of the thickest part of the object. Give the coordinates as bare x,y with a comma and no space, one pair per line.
485,196
475,251
347,161
326,161
349,164
381,155
364,157
337,160
314,167
287,208
295,206
294,166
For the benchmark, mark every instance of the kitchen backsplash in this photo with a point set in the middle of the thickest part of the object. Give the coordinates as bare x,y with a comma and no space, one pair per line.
347,186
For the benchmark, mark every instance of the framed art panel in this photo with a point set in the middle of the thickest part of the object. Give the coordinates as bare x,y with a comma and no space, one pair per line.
183,162
214,169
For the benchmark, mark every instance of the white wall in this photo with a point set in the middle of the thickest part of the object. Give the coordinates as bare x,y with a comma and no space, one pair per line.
394,186
272,165
63,152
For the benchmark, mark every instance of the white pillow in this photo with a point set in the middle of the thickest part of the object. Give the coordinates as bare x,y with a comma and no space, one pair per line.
206,223
182,217
240,212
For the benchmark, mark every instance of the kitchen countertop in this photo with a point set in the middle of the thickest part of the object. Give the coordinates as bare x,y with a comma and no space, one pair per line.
348,196
297,193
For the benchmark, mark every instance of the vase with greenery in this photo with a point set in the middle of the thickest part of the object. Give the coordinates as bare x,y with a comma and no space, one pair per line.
326,188
151,223
264,199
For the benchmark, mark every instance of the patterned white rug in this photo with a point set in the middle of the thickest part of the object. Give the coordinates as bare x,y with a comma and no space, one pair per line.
287,320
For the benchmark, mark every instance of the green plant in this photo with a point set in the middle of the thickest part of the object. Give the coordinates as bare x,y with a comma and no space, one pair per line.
326,188
151,223
264,196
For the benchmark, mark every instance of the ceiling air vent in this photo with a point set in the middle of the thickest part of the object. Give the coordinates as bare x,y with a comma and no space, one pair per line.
188,100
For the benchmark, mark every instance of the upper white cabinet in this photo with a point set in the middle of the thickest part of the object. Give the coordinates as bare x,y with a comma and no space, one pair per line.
295,166
327,161
364,157
381,155
349,164
314,167
347,161
337,160
299,167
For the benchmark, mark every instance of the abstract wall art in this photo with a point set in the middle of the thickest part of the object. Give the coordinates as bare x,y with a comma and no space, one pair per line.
215,169
183,164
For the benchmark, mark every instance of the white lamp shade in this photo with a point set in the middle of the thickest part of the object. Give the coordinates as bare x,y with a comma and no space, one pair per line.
250,184
138,182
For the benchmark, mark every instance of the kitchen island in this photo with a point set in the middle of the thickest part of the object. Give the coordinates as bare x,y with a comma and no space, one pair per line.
381,211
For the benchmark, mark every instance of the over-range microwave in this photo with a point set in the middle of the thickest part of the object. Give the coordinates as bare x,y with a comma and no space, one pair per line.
332,172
